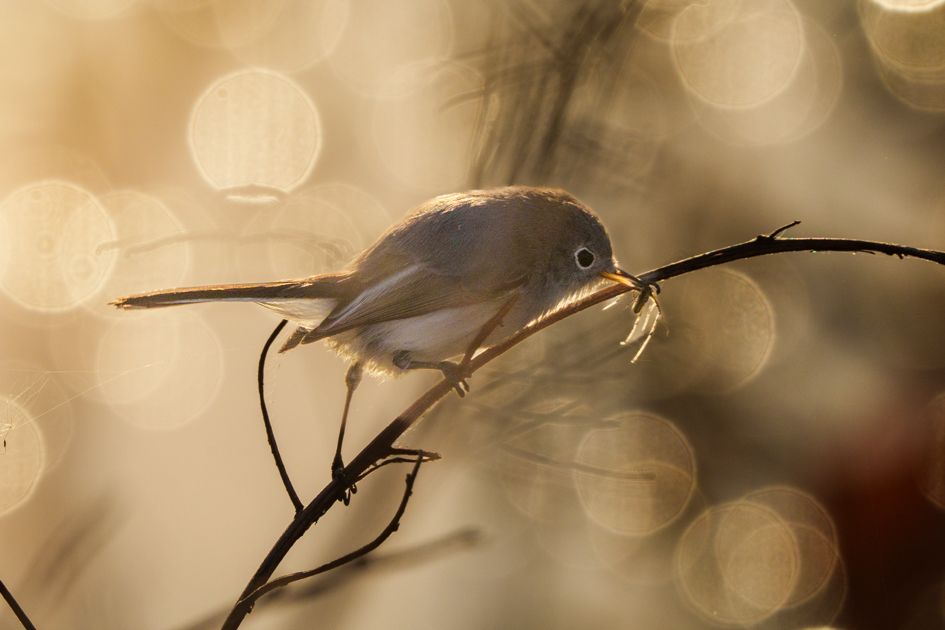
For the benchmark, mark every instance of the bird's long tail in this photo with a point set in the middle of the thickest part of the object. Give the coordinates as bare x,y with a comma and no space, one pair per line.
329,286
306,302
258,292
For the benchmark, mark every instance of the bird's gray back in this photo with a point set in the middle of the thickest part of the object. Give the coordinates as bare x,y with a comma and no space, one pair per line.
487,240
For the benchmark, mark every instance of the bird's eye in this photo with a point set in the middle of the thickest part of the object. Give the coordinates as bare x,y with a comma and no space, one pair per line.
584,258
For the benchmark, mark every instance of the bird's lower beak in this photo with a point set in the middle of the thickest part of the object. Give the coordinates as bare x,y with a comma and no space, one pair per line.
622,277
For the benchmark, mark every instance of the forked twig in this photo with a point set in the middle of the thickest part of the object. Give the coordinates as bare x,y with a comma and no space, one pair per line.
401,456
248,601
457,540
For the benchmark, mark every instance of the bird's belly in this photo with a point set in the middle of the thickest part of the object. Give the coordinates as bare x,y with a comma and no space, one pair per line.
435,336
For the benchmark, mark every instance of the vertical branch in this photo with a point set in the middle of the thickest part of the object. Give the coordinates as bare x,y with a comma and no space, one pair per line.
270,435
15,607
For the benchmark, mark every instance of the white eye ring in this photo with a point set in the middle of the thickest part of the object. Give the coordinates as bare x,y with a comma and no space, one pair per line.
584,257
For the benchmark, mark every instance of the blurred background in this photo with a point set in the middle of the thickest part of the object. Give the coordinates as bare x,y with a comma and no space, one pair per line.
789,419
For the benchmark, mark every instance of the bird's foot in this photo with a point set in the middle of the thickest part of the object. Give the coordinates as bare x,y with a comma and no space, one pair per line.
337,471
456,374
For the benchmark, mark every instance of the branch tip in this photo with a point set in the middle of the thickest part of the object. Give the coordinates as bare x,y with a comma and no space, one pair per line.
781,230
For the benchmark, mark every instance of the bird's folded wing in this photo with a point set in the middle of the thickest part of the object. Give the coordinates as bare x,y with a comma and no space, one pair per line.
410,292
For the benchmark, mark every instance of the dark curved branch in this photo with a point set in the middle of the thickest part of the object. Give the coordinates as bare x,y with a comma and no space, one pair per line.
460,539
464,538
380,446
15,607
248,601
270,435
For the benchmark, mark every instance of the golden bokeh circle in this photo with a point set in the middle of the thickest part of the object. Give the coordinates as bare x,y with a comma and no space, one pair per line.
319,229
255,130
151,247
741,60
801,108
54,231
656,16
909,6
371,218
220,23
42,162
814,532
310,236
737,563
142,353
733,325
40,393
534,457
910,43
22,455
637,476
168,368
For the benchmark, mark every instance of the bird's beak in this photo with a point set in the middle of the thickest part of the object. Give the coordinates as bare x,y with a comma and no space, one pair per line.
620,276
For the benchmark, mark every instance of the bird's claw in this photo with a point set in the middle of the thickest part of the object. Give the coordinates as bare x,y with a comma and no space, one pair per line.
457,376
337,470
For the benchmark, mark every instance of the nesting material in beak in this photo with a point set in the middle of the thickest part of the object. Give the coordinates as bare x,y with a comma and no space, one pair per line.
644,326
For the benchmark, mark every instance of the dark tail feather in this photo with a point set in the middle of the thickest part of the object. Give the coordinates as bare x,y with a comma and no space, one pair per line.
317,287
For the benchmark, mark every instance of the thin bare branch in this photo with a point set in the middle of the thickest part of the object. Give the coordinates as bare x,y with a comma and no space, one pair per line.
16,608
457,540
462,538
401,456
380,446
392,526
270,434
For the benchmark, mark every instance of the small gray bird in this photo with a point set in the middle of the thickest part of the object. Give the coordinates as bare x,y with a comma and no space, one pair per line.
434,282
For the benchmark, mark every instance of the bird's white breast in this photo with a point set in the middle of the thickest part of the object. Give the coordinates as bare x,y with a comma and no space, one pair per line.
435,336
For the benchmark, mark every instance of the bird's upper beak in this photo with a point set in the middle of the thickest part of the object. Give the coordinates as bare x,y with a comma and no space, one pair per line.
620,276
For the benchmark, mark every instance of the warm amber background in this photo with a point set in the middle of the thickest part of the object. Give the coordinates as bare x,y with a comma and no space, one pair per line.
791,421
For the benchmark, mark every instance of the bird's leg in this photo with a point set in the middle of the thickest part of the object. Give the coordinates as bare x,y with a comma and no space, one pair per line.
494,322
454,373
352,380
457,373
